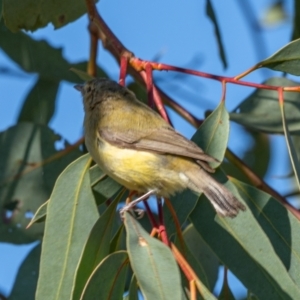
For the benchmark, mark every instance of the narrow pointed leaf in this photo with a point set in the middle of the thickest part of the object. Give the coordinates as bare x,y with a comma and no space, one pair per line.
286,59
29,165
96,248
212,137
108,279
244,246
290,146
26,280
211,14
40,215
152,263
34,14
260,111
39,105
71,214
203,256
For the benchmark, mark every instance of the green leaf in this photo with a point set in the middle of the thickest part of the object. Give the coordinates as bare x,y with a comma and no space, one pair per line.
29,165
281,227
211,14
260,240
39,105
260,111
203,255
287,59
108,278
133,289
34,14
26,280
96,248
212,136
40,215
39,57
296,17
103,186
290,146
152,262
71,214
257,156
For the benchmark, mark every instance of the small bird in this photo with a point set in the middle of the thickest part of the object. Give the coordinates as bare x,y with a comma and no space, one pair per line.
136,147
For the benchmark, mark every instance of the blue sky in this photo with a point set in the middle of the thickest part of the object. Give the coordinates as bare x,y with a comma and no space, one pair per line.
178,33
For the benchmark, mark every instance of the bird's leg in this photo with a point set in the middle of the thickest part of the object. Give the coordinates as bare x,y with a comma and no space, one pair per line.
135,202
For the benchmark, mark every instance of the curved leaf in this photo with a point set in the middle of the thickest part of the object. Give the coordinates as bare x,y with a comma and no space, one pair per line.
290,146
243,244
40,215
34,14
39,105
211,14
212,137
286,59
152,262
26,280
71,214
96,248
260,111
108,279
27,177
203,255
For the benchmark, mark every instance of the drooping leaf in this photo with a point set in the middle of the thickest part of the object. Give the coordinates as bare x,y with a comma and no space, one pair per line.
34,14
211,14
290,145
71,214
27,177
204,256
103,186
40,215
286,59
212,137
243,243
260,111
39,105
296,27
96,248
152,263
108,278
280,226
39,57
26,280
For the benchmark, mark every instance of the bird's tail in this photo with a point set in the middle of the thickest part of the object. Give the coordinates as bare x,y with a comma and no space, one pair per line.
220,197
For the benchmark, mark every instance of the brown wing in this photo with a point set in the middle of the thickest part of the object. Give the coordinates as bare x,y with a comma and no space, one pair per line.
164,140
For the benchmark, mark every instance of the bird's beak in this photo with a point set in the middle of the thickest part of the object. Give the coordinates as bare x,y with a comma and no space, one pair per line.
79,87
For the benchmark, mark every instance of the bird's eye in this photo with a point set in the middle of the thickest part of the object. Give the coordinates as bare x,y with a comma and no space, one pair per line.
88,89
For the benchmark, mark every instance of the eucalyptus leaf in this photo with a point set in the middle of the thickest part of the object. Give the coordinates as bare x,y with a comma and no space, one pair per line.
243,243
27,276
211,14
34,14
29,165
286,59
108,278
71,214
39,105
95,249
260,111
152,263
